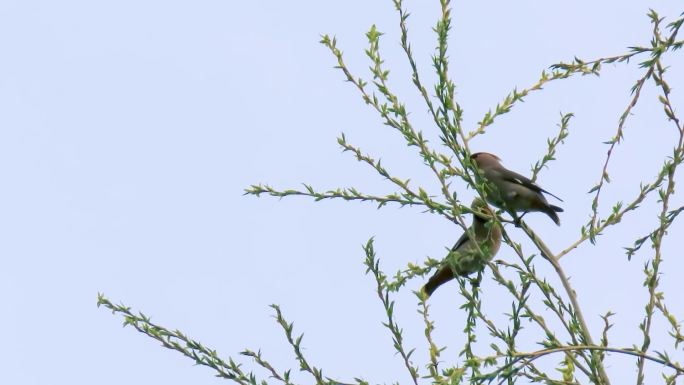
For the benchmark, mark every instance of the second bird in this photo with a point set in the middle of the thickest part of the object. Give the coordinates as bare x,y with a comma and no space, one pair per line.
512,191
469,255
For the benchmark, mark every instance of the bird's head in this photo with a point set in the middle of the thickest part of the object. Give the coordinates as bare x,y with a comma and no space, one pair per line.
481,209
484,159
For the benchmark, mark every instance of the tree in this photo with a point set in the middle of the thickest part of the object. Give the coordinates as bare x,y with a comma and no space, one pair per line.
549,308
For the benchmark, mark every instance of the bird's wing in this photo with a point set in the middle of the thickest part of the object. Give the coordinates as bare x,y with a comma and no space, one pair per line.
461,241
514,177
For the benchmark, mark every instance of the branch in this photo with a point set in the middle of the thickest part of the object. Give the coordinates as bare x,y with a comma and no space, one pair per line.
552,144
175,340
570,292
296,347
662,358
420,198
373,265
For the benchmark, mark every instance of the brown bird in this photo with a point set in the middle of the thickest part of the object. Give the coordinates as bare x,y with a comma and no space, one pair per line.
512,191
466,256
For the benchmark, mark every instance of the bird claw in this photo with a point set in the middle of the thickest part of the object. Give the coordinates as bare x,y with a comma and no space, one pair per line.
517,221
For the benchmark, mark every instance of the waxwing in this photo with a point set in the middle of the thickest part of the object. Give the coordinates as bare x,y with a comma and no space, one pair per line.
512,191
468,256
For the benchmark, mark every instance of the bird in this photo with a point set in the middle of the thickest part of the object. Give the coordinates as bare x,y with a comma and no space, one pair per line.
512,191
468,256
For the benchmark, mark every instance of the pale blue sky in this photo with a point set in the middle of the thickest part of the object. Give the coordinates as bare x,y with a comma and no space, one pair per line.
129,129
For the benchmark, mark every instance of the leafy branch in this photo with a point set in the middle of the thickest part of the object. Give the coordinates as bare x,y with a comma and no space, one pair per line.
581,355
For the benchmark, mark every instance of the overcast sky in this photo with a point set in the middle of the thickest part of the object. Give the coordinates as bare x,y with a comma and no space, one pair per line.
130,129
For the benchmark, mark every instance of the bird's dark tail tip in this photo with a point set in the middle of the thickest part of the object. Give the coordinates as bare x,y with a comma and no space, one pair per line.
442,276
551,212
428,289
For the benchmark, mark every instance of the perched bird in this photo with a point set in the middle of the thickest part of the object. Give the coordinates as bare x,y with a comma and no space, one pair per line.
512,191
466,256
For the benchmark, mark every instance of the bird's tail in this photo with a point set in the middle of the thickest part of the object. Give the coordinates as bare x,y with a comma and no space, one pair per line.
551,211
441,277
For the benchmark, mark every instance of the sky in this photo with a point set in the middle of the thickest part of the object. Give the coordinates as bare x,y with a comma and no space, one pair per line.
129,131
